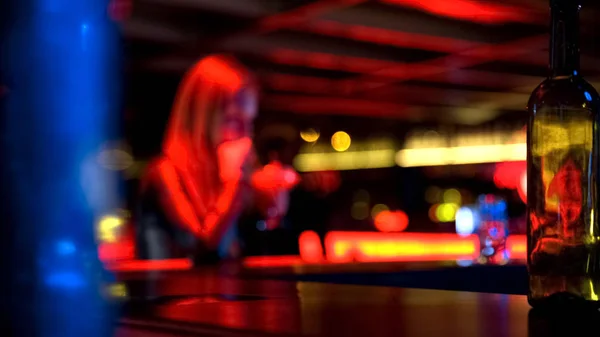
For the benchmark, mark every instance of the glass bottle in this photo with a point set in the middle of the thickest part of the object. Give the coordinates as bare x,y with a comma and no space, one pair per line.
562,173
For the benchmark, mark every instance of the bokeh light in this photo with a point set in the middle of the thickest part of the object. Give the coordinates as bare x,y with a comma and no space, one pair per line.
362,195
446,212
378,209
387,221
466,219
109,228
310,247
310,135
433,195
117,290
432,213
452,196
360,210
340,141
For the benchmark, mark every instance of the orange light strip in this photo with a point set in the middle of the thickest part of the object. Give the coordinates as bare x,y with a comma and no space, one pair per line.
379,247
517,247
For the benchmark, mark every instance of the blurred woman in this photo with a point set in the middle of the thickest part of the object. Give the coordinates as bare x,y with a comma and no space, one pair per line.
192,195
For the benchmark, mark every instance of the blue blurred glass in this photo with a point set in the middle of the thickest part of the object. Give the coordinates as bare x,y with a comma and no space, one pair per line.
60,61
493,228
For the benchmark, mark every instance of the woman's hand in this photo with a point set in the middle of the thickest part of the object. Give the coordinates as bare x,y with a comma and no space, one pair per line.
274,177
272,184
232,157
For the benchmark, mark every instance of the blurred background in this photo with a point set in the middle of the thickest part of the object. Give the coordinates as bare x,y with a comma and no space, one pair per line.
391,132
399,115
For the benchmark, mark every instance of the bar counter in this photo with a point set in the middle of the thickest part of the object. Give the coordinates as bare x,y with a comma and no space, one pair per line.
234,303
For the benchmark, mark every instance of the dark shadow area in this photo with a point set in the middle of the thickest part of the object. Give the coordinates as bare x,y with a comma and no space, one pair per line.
485,279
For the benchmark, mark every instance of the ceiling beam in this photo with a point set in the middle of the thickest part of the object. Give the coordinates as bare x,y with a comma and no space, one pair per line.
486,79
376,73
361,66
402,94
334,105
302,14
461,60
311,105
268,21
291,18
387,37
417,41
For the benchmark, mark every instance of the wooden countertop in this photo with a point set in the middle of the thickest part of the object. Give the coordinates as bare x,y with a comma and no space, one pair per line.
207,304
234,302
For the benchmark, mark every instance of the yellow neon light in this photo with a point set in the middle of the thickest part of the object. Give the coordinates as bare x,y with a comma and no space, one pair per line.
461,155
352,160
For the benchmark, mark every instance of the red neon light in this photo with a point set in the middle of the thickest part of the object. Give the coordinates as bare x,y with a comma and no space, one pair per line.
149,265
116,251
517,247
122,249
272,261
388,221
468,10
185,264
311,250
374,247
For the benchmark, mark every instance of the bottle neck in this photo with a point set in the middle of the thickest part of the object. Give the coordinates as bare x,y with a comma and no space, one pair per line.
564,41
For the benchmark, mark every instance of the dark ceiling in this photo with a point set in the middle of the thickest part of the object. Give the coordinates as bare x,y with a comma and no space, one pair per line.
389,61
